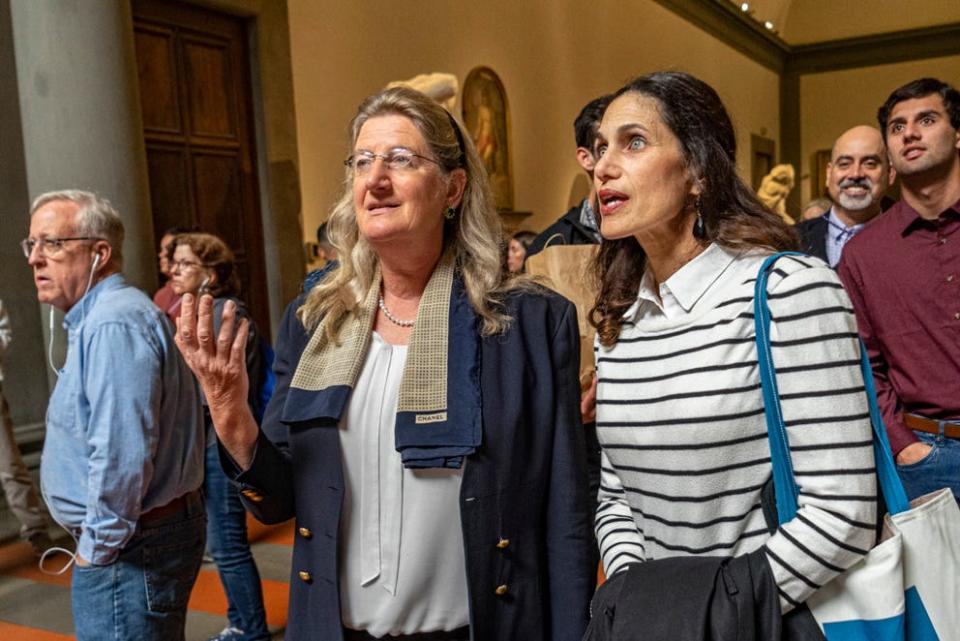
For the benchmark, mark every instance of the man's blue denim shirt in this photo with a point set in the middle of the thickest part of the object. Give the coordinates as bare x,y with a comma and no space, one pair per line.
124,424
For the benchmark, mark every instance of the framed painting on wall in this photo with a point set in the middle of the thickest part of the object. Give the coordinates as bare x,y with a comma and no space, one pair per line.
486,114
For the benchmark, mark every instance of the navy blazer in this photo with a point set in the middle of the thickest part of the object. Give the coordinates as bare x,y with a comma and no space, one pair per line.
525,513
813,237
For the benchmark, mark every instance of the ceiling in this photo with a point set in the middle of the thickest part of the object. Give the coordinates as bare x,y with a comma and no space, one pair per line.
807,21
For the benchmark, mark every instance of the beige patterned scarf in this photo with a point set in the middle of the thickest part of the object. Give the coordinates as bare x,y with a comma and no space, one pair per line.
429,432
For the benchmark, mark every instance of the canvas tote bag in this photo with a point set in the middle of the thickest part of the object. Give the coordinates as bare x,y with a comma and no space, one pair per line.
908,587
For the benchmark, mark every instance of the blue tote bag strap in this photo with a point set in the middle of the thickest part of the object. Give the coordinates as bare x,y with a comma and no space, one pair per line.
784,483
891,487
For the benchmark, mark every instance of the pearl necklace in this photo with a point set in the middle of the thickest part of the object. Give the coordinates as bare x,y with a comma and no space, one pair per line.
393,319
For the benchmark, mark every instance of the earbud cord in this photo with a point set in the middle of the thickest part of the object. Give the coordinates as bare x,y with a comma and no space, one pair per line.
76,543
57,548
83,311
50,346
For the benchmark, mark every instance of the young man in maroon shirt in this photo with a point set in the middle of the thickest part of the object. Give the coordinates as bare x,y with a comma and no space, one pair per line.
903,275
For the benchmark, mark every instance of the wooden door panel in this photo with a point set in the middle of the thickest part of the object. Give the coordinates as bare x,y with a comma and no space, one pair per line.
196,101
219,197
210,90
156,66
169,174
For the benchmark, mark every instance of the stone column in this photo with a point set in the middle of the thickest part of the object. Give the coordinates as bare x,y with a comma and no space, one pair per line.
69,118
25,379
80,111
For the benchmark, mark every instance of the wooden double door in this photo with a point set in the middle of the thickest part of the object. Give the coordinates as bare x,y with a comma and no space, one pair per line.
195,95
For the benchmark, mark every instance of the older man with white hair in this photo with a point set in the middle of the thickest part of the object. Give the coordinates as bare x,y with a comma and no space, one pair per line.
123,457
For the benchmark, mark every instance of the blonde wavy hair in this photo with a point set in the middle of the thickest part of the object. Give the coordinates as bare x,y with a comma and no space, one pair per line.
474,234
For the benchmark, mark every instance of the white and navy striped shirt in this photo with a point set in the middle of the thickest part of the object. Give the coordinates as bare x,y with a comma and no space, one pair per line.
680,420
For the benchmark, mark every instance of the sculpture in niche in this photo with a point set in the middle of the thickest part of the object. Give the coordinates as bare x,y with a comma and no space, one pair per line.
440,86
487,117
774,189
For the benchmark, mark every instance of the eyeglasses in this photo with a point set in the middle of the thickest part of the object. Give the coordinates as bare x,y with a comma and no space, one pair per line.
50,246
399,159
184,265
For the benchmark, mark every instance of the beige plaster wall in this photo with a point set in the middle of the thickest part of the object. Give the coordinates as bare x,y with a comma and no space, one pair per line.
831,103
809,21
552,55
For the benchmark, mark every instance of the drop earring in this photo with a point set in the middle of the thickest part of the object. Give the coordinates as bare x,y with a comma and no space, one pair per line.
450,213
699,227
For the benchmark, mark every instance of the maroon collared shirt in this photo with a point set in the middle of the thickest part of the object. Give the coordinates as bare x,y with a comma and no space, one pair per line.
902,273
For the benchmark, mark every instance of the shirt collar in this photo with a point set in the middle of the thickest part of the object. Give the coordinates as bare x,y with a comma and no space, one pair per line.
689,284
75,315
908,219
839,226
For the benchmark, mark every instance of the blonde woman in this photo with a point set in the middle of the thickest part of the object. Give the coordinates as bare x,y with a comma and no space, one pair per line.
425,431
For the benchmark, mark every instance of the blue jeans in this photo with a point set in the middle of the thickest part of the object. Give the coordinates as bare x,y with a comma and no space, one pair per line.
938,469
143,595
228,545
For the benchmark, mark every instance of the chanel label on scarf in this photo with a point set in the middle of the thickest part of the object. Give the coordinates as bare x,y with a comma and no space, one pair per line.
437,417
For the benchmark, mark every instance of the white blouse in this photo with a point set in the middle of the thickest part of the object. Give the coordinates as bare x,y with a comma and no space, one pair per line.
402,567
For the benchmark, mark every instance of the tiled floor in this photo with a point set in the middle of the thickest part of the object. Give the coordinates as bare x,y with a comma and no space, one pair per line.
36,607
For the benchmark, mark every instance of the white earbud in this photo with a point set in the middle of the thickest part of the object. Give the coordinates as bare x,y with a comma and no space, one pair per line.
96,261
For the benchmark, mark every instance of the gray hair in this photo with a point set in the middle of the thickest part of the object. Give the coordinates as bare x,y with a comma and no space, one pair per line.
96,217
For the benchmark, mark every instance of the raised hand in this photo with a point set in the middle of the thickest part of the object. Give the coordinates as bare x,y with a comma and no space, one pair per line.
219,363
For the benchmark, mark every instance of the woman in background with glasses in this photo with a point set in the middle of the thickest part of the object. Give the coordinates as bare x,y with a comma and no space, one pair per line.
203,264
425,432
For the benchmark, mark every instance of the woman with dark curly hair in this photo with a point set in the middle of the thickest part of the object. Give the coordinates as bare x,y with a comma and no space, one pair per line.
680,414
203,264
